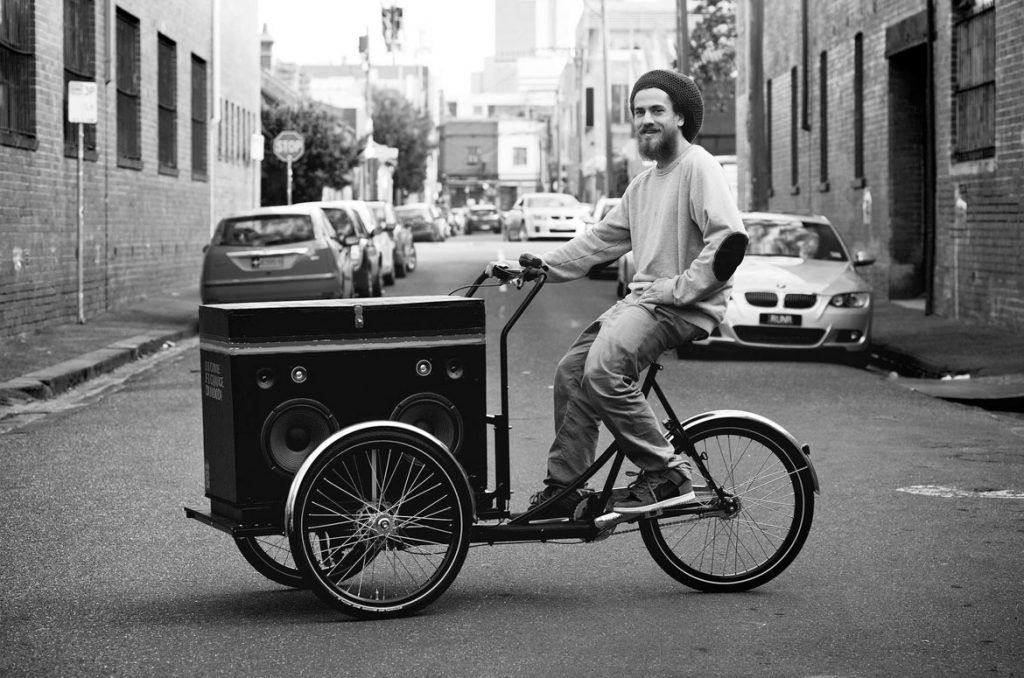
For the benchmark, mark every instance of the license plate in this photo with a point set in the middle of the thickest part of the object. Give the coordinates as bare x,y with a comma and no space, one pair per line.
266,263
784,319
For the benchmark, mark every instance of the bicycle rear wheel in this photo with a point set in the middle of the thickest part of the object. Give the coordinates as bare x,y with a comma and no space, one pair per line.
380,522
748,544
271,557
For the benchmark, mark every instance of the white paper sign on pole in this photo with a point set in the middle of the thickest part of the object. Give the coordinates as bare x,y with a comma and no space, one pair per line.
82,102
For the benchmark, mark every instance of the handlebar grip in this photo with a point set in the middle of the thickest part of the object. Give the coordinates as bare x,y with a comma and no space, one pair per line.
527,260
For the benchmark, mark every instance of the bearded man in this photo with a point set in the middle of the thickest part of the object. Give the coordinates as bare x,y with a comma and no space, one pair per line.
681,221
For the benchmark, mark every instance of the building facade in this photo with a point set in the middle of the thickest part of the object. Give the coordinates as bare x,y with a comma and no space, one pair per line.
901,121
169,153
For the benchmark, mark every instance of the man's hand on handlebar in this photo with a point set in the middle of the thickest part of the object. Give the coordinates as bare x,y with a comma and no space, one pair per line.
530,267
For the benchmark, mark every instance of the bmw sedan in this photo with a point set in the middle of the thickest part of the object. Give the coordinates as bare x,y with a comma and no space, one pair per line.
280,253
797,288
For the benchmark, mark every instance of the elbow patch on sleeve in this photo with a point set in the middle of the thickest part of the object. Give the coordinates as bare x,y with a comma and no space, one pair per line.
729,256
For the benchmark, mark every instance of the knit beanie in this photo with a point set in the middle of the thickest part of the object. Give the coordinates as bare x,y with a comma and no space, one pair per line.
682,90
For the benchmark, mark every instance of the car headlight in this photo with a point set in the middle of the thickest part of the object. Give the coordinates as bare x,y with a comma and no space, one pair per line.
850,300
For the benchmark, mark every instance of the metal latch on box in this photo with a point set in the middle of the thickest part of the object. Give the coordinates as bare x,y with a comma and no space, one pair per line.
359,316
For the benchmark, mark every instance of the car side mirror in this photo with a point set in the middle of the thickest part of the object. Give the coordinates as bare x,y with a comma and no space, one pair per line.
350,240
862,258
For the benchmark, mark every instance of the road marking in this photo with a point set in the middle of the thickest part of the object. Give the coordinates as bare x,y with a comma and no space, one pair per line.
957,493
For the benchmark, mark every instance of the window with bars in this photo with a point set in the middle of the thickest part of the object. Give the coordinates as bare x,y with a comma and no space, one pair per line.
129,99
17,74
200,163
974,92
167,104
858,110
79,64
519,156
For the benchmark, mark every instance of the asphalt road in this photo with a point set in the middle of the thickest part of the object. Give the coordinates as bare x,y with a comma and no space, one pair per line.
913,566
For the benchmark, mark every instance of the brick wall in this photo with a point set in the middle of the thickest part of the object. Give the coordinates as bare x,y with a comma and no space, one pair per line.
977,271
143,230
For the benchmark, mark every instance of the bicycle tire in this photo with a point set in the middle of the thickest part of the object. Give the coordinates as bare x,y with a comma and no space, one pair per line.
271,556
754,545
380,520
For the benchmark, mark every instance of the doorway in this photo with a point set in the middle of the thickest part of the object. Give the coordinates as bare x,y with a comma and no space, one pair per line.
909,192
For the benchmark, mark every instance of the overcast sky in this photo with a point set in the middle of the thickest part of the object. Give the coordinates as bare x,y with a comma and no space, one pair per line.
453,36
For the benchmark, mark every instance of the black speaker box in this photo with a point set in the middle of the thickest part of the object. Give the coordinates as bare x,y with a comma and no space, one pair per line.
279,378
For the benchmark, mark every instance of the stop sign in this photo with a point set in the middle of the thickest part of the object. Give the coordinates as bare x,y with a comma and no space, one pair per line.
289,146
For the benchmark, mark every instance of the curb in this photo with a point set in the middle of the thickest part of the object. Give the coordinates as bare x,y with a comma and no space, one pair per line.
60,378
904,364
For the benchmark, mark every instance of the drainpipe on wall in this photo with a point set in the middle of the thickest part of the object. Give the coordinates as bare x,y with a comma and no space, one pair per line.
212,133
930,224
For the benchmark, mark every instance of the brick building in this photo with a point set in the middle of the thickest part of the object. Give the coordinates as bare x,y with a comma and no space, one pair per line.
913,147
169,154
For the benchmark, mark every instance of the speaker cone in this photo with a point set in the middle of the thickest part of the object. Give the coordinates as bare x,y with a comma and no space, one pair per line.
293,430
433,413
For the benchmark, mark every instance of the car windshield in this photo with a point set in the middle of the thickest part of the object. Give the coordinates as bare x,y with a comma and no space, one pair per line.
546,201
265,230
341,221
793,238
483,211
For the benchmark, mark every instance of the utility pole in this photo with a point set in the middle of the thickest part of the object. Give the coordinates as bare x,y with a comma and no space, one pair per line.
682,38
608,160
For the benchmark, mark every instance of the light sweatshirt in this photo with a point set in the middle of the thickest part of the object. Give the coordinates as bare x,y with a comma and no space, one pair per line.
685,231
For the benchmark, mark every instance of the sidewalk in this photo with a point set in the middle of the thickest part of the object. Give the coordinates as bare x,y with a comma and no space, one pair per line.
953,359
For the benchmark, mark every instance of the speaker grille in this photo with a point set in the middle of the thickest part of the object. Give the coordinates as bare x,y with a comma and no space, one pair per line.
435,414
292,431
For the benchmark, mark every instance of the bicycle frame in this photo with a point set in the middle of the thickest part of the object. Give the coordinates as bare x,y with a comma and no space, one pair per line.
519,528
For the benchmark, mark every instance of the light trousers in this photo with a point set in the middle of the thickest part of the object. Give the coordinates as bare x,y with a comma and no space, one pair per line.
599,379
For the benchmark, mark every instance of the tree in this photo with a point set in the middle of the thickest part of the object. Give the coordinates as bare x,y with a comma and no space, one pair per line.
331,151
713,52
397,123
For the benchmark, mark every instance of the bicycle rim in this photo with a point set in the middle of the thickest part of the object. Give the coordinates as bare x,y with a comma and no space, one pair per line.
382,526
742,549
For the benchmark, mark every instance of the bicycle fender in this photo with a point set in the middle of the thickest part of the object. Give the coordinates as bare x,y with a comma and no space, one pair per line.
383,426
802,452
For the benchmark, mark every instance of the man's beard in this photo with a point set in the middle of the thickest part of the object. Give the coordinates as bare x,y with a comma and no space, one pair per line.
660,148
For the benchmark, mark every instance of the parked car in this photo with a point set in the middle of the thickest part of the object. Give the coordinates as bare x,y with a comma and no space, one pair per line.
282,253
797,288
424,220
353,218
607,270
544,215
405,249
483,217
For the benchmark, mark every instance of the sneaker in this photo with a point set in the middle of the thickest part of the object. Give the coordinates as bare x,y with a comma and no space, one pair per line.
563,508
653,491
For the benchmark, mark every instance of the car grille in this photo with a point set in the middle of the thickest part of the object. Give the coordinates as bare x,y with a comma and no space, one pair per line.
800,300
782,336
766,299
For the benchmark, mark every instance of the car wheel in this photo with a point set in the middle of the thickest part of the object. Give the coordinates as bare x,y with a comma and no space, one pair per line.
410,259
377,288
399,266
361,283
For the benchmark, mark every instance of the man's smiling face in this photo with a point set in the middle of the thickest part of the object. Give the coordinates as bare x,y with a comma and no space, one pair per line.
658,127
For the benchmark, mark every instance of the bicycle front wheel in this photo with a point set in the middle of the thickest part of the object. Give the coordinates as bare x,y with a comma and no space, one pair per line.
749,540
380,522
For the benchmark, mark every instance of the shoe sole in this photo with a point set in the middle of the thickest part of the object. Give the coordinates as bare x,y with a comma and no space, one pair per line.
688,498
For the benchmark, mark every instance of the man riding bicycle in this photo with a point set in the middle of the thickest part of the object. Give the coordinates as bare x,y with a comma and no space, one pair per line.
681,221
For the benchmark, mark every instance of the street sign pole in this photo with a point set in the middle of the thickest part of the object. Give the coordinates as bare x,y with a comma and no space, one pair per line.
81,222
289,182
82,109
